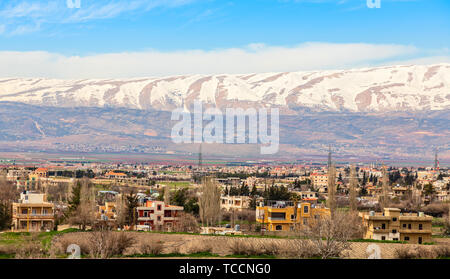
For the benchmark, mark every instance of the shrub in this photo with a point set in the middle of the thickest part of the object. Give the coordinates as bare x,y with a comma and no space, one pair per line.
254,247
200,248
106,244
418,252
151,248
442,251
30,250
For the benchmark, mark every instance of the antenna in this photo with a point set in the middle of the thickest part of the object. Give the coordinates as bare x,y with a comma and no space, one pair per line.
329,156
436,161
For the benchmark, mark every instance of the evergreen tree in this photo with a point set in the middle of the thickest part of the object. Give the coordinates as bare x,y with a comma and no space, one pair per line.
131,202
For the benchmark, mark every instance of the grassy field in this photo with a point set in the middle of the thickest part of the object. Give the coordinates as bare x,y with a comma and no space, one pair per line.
177,184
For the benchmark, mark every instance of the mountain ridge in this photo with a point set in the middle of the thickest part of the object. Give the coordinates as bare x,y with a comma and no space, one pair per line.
378,89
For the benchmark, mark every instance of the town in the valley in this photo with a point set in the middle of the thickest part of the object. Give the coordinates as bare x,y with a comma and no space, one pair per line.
223,210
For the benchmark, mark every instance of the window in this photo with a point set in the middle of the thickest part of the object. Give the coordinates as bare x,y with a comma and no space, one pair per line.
406,238
394,231
409,226
159,218
159,207
279,228
292,217
394,219
420,227
395,239
305,209
420,240
404,226
383,226
383,238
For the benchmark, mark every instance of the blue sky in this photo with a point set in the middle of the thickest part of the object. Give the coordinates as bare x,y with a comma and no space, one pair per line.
170,30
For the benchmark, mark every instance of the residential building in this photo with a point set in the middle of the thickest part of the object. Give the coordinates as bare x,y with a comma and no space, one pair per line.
284,216
394,225
319,180
107,211
115,175
32,213
237,203
157,214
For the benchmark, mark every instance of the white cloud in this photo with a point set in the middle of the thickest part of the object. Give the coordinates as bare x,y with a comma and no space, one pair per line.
19,16
255,58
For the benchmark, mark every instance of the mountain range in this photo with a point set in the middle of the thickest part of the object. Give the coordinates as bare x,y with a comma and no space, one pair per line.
383,113
383,89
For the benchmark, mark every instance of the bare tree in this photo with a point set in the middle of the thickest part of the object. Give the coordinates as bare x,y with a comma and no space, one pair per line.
166,195
121,211
332,189
209,201
326,237
186,223
8,191
105,244
353,184
384,198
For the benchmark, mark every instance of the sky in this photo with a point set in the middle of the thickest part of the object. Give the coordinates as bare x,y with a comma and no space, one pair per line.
136,38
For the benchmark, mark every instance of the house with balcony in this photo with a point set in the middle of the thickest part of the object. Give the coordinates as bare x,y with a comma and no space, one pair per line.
237,203
391,224
32,213
287,215
157,215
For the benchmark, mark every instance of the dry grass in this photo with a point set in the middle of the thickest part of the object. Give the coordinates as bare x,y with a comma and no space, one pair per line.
422,252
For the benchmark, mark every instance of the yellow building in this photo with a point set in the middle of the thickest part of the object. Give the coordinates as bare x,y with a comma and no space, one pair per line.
107,211
393,225
283,216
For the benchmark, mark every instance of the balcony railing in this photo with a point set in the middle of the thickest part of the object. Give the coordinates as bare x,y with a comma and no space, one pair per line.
33,215
276,219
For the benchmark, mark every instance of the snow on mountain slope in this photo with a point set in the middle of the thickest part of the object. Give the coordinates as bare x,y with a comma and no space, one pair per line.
391,88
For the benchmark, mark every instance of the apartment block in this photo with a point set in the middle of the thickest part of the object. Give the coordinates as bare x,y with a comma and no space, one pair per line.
237,203
285,216
391,224
156,214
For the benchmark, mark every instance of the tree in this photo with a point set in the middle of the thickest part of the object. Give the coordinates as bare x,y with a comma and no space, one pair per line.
131,203
332,189
85,213
166,195
327,237
384,198
209,201
277,193
75,198
5,217
244,190
352,193
8,194
186,223
254,191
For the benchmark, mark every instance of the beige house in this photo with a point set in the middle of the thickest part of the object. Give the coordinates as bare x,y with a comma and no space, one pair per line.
32,213
237,203
393,225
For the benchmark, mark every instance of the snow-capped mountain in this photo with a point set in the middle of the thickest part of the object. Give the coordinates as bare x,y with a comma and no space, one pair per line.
391,88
